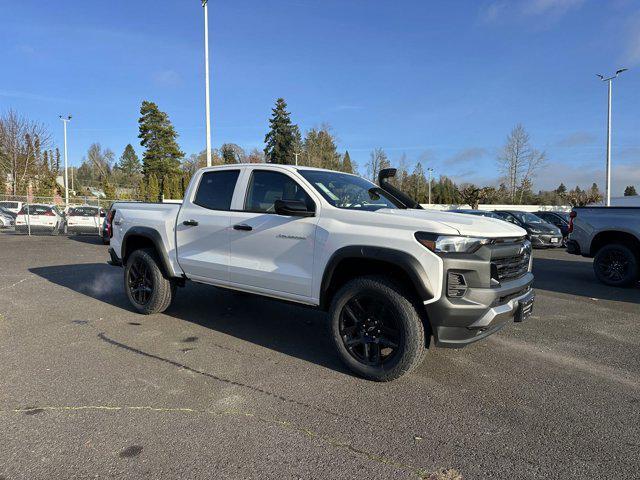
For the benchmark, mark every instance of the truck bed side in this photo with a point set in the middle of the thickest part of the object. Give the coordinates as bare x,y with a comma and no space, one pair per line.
593,225
154,222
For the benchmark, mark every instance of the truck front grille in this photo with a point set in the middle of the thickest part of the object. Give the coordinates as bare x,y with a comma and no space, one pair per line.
513,266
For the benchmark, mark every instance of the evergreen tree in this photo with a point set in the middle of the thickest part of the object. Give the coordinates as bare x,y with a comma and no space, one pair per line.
166,187
232,153
283,137
153,188
320,149
141,190
57,161
162,154
418,185
109,190
561,190
347,164
129,162
630,191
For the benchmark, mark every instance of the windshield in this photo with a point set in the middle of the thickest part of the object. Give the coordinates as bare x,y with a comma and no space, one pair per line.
349,191
525,217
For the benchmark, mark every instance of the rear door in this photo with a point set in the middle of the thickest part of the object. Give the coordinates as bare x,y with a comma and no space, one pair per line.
271,252
202,228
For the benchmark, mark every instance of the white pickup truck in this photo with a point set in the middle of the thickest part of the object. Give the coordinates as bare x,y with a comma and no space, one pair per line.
390,274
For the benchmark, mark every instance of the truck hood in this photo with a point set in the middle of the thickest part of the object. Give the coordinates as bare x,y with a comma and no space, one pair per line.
467,225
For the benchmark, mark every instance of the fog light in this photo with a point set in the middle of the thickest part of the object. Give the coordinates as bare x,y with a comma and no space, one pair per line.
456,285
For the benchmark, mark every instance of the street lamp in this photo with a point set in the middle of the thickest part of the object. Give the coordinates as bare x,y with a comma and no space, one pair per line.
608,182
206,76
430,170
65,120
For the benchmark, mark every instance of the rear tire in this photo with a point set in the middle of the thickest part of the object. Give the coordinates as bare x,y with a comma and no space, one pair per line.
148,289
376,329
616,265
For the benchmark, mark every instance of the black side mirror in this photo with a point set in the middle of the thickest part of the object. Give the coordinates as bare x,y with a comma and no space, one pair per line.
292,208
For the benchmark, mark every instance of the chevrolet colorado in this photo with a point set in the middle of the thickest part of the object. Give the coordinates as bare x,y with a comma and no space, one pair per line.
390,274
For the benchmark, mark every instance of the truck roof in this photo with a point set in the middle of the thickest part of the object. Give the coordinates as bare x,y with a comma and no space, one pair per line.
274,166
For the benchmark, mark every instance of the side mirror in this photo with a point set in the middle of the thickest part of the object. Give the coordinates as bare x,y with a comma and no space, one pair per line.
292,208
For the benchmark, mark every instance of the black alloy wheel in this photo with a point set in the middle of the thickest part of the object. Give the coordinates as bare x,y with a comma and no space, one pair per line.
140,282
616,265
368,330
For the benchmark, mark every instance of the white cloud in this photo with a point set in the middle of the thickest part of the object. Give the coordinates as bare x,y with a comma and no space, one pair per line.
466,155
632,50
167,78
542,10
576,139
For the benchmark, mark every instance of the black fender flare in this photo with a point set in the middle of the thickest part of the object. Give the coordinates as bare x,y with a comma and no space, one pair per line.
156,239
407,262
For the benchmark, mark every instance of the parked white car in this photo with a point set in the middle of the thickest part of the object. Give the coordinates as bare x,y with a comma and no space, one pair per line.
12,206
39,218
6,220
84,219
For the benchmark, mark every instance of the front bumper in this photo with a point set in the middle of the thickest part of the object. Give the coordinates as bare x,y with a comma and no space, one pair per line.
482,311
545,241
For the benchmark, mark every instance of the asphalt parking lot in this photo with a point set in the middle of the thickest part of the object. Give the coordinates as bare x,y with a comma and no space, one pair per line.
227,385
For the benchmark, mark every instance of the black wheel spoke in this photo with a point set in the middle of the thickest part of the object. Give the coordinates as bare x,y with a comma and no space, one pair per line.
369,329
140,282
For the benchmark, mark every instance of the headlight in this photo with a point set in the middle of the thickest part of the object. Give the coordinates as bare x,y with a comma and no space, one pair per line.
450,243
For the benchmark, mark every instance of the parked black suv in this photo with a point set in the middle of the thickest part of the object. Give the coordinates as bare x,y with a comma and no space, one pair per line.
540,233
559,219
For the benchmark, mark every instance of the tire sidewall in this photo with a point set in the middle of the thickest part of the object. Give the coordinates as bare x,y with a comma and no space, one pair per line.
632,274
156,278
407,320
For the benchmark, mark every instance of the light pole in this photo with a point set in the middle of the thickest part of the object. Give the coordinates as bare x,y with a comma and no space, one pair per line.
608,180
430,170
65,120
206,77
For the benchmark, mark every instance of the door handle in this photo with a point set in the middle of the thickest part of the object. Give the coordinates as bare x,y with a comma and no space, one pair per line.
243,226
190,223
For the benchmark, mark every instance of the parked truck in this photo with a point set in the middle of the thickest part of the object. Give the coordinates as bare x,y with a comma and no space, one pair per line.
391,275
611,236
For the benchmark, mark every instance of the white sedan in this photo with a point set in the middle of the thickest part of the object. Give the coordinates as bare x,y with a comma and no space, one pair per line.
84,219
39,218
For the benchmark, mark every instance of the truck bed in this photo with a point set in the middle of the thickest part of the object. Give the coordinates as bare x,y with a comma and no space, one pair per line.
158,217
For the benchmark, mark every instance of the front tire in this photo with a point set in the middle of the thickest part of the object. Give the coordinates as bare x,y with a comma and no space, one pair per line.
376,330
616,265
148,290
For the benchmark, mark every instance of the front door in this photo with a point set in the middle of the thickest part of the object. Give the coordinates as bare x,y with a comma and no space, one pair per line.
271,252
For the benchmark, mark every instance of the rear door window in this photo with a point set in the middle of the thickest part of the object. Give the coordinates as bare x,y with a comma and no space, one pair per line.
215,190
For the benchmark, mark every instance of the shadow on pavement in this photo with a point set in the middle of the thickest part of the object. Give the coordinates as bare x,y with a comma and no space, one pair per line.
577,278
289,329
92,239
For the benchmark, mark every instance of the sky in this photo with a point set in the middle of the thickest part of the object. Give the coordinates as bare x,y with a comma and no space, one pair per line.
440,82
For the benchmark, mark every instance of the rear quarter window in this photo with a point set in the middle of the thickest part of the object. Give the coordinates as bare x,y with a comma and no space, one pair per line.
215,189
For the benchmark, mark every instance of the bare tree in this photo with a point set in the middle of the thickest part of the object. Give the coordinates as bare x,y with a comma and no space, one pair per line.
519,162
21,142
378,160
101,161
